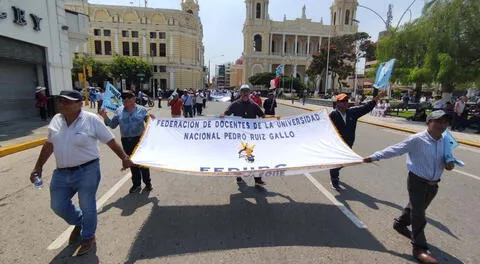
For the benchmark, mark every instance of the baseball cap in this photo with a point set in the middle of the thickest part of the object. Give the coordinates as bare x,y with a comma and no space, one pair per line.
245,87
437,114
71,95
342,97
128,94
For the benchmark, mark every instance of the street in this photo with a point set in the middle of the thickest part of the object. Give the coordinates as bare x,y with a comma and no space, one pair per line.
294,219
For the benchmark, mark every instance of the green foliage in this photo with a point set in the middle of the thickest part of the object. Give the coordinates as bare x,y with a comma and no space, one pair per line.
100,72
287,81
262,78
342,55
128,68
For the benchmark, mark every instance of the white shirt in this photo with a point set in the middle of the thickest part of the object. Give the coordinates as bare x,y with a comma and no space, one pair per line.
78,143
439,104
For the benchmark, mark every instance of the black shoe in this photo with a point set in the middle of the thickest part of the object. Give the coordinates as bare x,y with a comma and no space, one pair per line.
402,229
258,181
240,180
135,189
336,186
148,188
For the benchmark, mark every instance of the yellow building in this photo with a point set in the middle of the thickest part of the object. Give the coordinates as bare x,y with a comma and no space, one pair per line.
237,74
170,40
267,43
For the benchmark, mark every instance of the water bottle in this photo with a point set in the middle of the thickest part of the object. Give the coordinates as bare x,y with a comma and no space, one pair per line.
38,182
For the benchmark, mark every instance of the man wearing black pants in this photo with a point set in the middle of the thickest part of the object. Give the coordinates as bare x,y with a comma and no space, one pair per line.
426,163
345,120
132,124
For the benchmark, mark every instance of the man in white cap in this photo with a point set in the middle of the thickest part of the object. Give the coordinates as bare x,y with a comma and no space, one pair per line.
73,137
41,102
244,107
425,162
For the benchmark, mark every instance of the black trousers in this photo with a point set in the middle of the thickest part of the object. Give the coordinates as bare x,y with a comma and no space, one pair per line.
43,112
199,108
420,194
187,111
334,175
138,173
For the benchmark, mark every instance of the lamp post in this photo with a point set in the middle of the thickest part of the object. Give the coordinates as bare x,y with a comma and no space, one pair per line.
209,66
387,24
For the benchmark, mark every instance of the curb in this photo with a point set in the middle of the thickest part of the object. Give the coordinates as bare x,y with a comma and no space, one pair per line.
21,147
465,142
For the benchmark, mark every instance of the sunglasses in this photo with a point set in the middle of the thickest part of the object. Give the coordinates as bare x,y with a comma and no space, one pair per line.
127,96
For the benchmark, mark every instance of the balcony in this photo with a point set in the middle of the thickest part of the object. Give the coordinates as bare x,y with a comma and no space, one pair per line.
78,27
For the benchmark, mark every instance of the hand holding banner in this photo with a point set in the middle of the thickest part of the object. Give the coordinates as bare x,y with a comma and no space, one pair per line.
112,100
450,144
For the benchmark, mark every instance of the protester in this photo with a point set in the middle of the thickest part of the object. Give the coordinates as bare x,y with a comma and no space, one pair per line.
270,104
458,122
425,162
204,99
439,104
159,97
41,102
245,108
176,105
132,124
474,121
345,119
92,97
100,95
198,103
187,104
405,100
73,137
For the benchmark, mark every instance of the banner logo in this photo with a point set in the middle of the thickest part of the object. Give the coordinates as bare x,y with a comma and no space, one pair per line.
247,152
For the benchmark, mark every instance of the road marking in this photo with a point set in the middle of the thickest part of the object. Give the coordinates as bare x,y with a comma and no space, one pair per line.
467,174
66,234
340,206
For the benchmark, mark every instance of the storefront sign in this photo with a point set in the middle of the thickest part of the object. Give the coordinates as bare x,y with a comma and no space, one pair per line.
19,18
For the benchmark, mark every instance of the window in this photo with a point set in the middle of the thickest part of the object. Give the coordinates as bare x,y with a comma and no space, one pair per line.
153,35
98,47
125,33
273,45
134,34
106,32
334,18
96,32
161,35
347,17
162,68
285,49
257,41
135,49
153,49
126,48
259,11
155,68
108,47
163,50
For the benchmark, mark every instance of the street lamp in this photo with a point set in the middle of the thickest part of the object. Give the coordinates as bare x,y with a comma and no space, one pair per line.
209,66
387,23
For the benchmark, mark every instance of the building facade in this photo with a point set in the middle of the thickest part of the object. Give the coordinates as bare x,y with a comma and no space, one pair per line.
169,40
267,43
36,42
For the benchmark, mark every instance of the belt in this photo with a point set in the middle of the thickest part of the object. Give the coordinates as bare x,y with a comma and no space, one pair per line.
423,179
74,168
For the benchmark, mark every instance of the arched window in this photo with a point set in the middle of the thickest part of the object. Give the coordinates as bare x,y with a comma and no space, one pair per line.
259,11
334,18
257,41
273,45
347,17
190,11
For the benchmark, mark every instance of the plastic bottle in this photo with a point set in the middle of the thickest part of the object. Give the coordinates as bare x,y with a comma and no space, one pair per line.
38,182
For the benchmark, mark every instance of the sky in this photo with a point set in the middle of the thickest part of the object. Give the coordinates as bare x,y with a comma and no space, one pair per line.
223,19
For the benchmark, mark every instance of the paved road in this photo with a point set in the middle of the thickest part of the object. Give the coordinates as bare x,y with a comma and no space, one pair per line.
296,219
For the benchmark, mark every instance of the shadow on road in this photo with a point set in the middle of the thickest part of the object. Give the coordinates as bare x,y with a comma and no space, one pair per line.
130,203
248,221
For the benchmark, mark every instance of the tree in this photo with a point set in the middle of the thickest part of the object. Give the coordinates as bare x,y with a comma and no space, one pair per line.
295,83
262,78
99,73
342,56
130,69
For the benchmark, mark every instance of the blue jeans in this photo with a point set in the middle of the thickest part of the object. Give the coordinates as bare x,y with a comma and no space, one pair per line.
84,181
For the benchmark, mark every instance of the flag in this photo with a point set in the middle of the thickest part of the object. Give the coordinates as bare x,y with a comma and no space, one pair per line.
450,144
384,72
274,83
112,100
280,70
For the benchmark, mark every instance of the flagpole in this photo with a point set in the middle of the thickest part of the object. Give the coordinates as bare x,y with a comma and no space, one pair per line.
328,61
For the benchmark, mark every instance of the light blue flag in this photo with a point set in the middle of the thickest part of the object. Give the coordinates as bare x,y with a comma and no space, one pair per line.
383,74
450,144
280,70
112,100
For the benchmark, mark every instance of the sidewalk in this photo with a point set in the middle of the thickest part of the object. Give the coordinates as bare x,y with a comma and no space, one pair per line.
28,133
466,137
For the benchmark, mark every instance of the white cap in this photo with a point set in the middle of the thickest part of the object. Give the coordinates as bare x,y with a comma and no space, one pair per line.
245,87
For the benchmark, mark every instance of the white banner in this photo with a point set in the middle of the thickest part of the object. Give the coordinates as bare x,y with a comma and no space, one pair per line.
244,147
